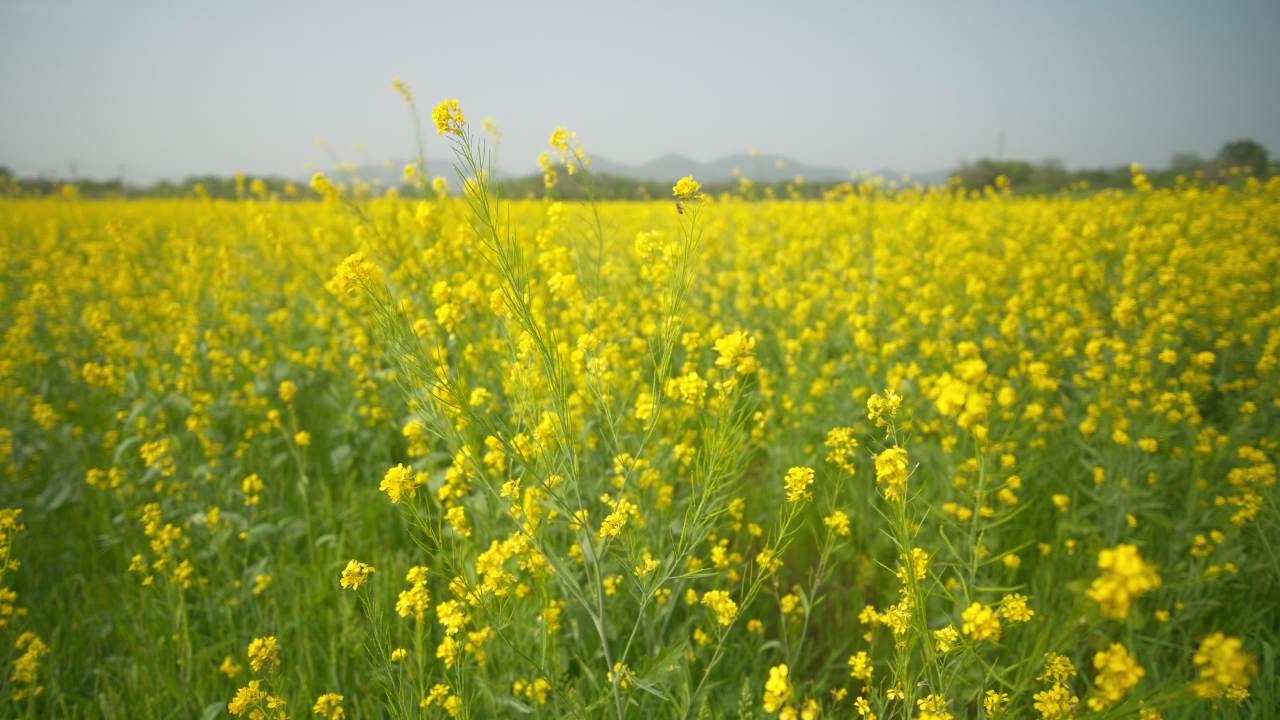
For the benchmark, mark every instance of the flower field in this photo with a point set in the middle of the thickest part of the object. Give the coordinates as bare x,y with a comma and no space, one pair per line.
897,453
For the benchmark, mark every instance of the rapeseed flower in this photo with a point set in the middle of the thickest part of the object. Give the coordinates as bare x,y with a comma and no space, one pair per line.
448,118
1125,576
686,188
1223,668
797,482
264,653
891,472
354,575
777,689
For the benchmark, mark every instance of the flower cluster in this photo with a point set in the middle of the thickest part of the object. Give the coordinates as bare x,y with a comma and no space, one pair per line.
1124,577
447,117
354,575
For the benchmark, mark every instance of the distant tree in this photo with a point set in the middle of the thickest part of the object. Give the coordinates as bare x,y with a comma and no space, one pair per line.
1244,153
1186,162
984,172
1051,174
5,172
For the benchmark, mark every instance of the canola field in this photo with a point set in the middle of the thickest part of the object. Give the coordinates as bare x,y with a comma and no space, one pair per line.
898,453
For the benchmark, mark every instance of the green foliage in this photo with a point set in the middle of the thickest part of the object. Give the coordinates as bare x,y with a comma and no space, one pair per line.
1246,154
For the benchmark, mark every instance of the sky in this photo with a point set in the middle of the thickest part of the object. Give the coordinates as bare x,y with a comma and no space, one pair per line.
146,89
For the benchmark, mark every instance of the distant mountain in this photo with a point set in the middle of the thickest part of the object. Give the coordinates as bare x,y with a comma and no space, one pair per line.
763,168
758,167
670,167
390,172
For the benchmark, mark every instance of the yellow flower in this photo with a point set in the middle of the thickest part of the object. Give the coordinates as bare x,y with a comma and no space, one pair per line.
414,601
456,516
944,639
615,521
250,699
721,605
354,575
645,406
229,667
838,521
1013,607
891,472
1057,669
1224,668
622,675
264,652
918,564
933,707
648,563
797,482
700,637
451,616
879,406
994,702
777,689
560,139
689,388
1056,702
860,666
686,188
261,583
399,482
841,446
737,352
1118,672
27,666
354,272
980,623
448,118
329,706
1125,576
321,185
440,696
402,89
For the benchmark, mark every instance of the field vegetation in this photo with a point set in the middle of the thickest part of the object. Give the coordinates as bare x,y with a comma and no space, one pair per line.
884,453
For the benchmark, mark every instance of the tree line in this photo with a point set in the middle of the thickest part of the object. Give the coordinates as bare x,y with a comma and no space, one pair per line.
1236,160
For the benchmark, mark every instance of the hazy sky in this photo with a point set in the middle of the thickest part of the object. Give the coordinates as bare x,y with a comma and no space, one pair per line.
164,89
